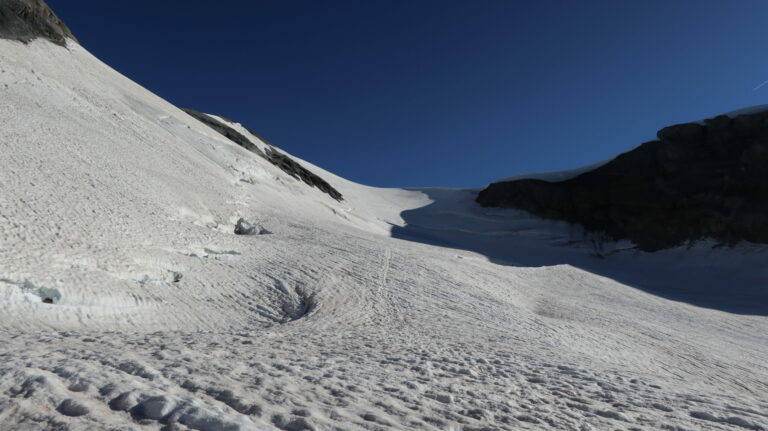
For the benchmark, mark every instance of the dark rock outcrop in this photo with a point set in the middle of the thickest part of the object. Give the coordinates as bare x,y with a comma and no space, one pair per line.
230,133
282,161
25,20
292,168
244,227
696,181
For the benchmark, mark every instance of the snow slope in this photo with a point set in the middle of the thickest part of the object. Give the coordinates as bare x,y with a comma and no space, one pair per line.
393,309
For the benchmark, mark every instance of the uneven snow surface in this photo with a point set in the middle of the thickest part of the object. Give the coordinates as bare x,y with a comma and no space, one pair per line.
128,303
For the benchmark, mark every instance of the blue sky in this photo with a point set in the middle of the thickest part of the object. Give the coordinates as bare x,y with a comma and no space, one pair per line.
439,93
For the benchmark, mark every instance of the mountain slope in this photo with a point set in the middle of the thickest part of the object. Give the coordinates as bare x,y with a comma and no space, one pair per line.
268,152
130,303
25,20
699,180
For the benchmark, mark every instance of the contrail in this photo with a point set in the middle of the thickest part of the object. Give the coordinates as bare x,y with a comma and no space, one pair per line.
760,86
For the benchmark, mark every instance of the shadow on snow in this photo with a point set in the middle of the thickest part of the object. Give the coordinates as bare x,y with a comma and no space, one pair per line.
730,280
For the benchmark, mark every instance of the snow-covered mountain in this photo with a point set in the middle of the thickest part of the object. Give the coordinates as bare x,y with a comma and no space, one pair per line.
162,272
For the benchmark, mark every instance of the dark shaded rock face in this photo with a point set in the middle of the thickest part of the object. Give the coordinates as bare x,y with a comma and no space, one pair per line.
288,165
25,20
695,181
230,133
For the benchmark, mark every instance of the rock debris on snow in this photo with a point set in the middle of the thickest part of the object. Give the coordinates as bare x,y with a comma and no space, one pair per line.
243,227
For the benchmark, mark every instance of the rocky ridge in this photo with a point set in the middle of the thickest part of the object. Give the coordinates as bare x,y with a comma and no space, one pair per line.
26,20
697,180
282,161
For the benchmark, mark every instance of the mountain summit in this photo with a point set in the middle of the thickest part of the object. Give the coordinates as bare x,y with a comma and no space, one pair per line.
26,20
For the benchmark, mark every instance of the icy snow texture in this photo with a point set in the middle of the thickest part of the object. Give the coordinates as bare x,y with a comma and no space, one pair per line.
121,208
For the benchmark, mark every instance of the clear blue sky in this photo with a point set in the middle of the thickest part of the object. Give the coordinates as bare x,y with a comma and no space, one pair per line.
443,92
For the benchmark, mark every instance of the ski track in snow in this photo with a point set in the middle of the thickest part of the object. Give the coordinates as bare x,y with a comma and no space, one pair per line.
120,209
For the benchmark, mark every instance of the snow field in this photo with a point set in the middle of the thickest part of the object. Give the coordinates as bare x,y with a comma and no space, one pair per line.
394,309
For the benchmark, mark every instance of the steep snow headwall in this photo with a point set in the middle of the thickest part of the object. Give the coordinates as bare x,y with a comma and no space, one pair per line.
697,180
25,20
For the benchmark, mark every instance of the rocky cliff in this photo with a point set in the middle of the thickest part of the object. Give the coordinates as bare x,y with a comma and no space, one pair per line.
25,20
697,180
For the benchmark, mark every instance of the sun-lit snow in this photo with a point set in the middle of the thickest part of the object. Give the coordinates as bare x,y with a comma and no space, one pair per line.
129,303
